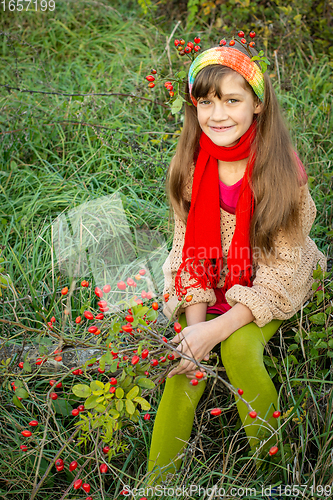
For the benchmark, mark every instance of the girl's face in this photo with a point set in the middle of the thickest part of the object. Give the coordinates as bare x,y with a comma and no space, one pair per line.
225,120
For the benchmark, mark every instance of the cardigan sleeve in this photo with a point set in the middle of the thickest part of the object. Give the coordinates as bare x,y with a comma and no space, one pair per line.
172,263
279,290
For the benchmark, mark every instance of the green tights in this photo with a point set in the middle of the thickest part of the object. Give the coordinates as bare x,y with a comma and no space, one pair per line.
242,357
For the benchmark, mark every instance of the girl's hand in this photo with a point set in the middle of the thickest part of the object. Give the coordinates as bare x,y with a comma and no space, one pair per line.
196,341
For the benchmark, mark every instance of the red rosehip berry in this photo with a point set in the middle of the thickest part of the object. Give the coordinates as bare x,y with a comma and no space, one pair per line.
89,498
112,390
153,71
53,320
54,396
121,285
99,316
176,42
78,320
24,447
75,372
199,375
59,385
130,282
106,449
81,408
135,360
223,42
150,78
98,292
177,327
129,318
252,34
197,48
252,44
273,450
162,359
189,298
142,272
190,44
149,295
197,39
253,414
21,364
59,461
75,412
60,467
92,329
187,50
276,414
103,468
171,356
26,433
77,484
154,306
151,85
171,93
106,288
86,487
144,353
80,371
215,412
240,392
127,328
52,382
146,417
102,303
154,362
231,43
33,423
166,297
113,381
64,291
194,381
241,34
73,465
40,361
88,315
243,40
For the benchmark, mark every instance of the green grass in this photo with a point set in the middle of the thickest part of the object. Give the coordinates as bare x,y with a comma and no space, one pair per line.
58,152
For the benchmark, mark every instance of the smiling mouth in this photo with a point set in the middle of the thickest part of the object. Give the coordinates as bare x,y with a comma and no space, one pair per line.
221,128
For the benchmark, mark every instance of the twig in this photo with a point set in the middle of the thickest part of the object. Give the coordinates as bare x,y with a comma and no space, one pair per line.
8,87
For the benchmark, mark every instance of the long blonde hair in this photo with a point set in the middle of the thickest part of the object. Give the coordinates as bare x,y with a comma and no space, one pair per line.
275,180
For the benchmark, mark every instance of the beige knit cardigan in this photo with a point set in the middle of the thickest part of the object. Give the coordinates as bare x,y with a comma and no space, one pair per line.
278,291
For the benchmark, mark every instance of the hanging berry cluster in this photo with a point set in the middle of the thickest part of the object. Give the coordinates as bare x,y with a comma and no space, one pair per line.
191,48
262,60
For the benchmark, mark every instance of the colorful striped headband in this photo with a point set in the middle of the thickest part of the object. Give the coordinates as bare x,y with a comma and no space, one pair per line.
234,59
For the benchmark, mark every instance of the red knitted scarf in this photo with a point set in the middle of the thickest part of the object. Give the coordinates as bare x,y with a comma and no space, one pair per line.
203,229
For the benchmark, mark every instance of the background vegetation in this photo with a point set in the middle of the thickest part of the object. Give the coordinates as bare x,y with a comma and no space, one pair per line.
59,149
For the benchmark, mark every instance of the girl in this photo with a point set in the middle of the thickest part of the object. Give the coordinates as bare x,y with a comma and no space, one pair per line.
243,213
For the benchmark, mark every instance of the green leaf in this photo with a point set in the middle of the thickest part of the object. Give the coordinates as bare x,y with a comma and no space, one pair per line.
27,367
17,402
143,402
108,358
91,402
292,347
62,407
133,392
146,383
102,362
119,392
21,393
96,385
151,315
330,343
81,390
181,75
130,408
120,405
318,319
177,105
141,312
